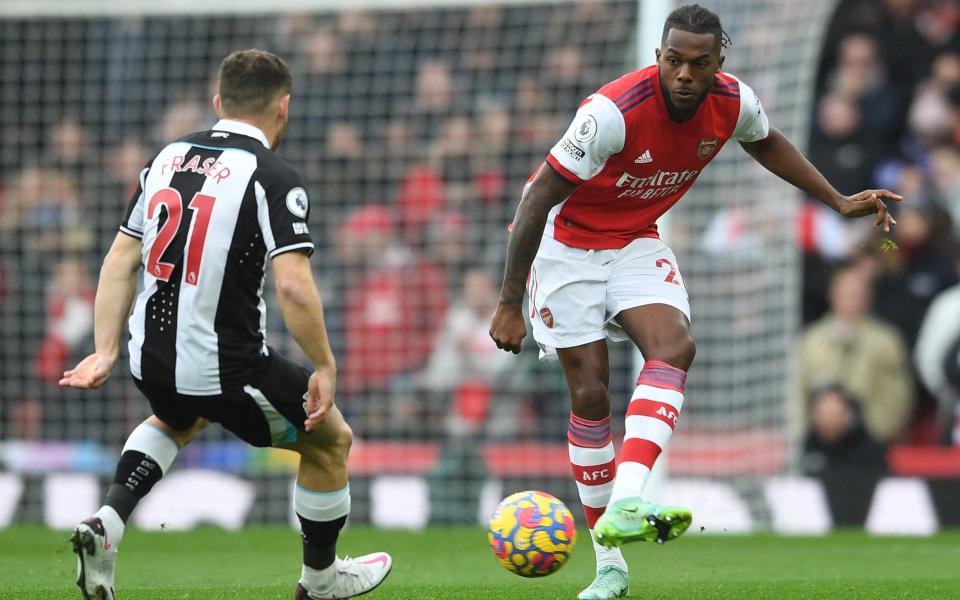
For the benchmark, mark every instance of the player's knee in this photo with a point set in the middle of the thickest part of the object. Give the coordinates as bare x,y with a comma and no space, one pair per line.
330,453
184,437
590,401
679,352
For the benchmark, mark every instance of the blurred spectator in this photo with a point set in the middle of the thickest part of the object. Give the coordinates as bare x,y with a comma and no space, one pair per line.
838,442
182,117
924,264
840,147
395,301
453,156
841,453
945,167
43,210
435,99
451,244
337,165
861,78
493,132
119,178
422,194
565,78
480,61
931,116
69,147
908,53
851,348
936,359
826,240
69,307
463,351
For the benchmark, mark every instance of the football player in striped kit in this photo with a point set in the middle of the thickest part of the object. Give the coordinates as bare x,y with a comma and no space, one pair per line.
210,211
584,244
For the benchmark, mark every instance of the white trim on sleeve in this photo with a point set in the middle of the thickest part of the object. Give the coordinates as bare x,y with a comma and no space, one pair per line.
597,132
752,124
132,232
282,249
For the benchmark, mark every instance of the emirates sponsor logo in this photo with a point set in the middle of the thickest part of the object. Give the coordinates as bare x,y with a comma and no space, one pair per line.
658,185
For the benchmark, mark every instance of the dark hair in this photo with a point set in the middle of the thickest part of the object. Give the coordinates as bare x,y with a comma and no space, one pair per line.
696,19
249,80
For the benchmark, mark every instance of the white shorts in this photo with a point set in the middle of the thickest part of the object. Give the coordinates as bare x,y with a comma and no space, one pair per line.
575,293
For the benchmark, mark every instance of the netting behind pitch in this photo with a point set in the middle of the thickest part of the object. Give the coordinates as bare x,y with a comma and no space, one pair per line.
734,235
416,128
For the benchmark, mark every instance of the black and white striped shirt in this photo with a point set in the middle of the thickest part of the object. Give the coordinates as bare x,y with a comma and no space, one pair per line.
210,208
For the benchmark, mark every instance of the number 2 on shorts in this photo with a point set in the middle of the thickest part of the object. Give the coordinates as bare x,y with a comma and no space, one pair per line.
672,275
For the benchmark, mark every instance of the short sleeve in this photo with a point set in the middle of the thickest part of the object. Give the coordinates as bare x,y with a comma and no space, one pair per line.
132,223
752,125
596,133
283,209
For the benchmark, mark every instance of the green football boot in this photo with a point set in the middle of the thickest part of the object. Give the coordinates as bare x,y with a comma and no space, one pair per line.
611,582
635,519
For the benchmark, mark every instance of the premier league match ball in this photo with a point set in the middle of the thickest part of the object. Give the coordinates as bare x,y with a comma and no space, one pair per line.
532,534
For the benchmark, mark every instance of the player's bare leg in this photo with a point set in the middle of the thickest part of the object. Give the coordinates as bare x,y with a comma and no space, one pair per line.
322,502
590,445
662,333
147,455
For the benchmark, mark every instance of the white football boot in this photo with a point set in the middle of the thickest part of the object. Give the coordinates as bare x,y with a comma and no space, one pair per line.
355,576
96,559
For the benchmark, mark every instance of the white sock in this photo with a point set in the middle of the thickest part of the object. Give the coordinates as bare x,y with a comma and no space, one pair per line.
319,581
155,443
112,524
607,556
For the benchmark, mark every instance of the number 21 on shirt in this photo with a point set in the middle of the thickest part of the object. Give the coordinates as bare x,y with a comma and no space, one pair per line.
202,206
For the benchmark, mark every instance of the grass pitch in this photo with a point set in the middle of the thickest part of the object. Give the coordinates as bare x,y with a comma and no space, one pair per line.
263,563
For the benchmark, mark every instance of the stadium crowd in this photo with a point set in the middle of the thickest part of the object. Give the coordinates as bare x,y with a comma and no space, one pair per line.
877,363
416,131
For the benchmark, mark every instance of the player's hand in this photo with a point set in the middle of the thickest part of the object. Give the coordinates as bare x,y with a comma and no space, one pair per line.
870,202
507,327
90,373
320,391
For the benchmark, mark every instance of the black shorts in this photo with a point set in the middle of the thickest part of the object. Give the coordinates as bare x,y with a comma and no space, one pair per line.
268,411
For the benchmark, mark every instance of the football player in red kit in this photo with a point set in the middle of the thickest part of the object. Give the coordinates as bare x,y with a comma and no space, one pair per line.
584,242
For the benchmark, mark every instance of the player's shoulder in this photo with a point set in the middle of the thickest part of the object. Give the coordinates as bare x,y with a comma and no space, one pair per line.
727,86
274,169
632,89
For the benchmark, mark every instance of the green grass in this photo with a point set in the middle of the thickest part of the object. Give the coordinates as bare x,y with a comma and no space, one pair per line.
263,563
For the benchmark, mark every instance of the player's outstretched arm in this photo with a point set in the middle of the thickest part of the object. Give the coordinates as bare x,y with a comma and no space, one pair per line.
303,315
115,290
779,156
545,191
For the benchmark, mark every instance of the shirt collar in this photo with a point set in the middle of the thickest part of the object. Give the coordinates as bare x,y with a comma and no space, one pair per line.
243,129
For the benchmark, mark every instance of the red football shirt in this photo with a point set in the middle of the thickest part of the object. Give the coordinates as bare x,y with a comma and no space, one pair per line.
631,162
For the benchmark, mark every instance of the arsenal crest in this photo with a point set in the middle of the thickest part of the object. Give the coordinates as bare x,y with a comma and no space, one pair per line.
706,147
547,317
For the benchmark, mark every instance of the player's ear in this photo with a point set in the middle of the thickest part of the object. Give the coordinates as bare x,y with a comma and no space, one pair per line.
216,104
720,62
283,110
656,51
